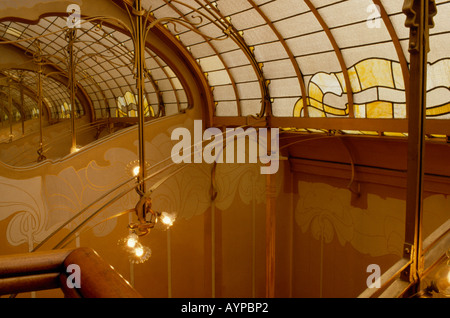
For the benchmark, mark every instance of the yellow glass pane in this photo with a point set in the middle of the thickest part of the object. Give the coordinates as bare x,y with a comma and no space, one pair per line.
298,108
315,92
315,103
359,110
313,112
370,133
379,110
394,134
121,102
317,131
351,132
121,113
359,132
149,112
335,111
375,72
328,83
341,79
439,136
129,97
354,80
441,110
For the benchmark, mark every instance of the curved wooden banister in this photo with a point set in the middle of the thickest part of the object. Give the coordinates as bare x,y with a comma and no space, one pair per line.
48,270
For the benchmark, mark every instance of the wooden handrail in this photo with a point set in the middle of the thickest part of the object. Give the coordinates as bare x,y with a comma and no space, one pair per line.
48,270
98,278
29,283
32,263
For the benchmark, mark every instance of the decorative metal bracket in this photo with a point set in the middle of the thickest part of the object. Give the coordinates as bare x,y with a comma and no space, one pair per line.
40,152
412,10
409,273
142,209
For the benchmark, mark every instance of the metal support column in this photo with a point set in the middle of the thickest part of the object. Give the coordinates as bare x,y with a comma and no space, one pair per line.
10,103
39,62
71,36
140,77
419,20
270,226
22,105
40,151
270,235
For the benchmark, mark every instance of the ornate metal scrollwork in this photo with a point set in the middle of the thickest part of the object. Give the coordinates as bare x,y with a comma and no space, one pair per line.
40,152
412,10
143,209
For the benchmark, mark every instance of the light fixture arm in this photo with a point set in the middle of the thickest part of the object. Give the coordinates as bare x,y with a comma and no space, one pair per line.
71,37
37,57
10,103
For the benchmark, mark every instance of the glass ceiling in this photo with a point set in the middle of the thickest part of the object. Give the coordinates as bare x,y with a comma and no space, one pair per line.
21,109
305,59
55,95
321,58
104,69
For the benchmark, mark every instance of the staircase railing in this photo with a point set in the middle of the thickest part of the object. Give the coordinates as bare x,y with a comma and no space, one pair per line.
52,270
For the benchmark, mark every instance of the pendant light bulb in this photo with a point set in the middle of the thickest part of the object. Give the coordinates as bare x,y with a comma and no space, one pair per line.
166,219
136,171
132,240
139,251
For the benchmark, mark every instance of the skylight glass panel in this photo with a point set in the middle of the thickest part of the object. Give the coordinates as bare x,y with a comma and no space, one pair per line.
224,109
14,32
281,9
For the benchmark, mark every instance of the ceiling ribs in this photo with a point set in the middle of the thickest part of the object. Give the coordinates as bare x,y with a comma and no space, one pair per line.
16,104
153,55
339,55
88,77
161,106
33,91
87,99
233,82
398,48
289,53
28,91
239,40
230,75
121,56
207,100
175,91
53,69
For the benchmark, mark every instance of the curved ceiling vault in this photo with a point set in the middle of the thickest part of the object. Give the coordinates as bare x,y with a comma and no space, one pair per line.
346,62
325,64
104,56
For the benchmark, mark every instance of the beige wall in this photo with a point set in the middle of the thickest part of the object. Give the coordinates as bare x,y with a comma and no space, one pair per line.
329,235
57,141
36,200
326,236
